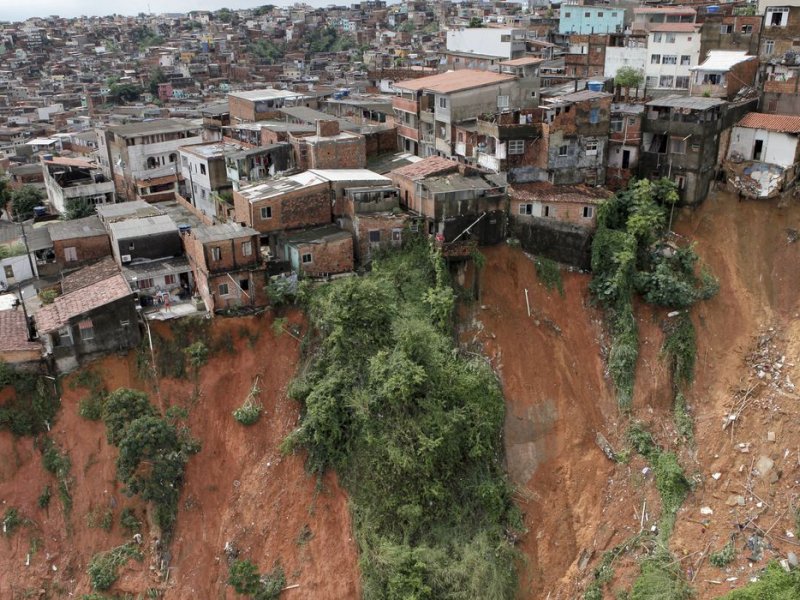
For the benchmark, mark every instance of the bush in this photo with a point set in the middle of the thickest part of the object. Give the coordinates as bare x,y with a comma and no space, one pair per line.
773,584
660,580
248,413
243,577
129,521
680,348
724,556
44,497
48,296
33,406
11,521
103,567
549,274
122,408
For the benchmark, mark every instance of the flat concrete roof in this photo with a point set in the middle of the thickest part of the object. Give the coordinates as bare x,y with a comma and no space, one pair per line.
153,127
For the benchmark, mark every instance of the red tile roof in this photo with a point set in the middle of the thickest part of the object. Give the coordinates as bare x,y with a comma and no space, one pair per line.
433,165
81,301
454,81
99,271
13,332
781,123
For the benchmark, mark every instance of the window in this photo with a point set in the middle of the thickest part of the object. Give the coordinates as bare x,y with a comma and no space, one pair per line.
70,254
769,47
145,284
777,16
586,15
599,14
591,147
247,248
502,102
526,209
223,289
680,180
652,81
616,125
266,212
682,82
216,253
594,115
442,102
567,15
723,29
686,60
169,279
562,150
665,81
505,38
306,259
748,29
670,38
65,337
202,168
397,236
631,121
516,146
374,236
131,246
657,37
244,284
677,146
548,211
613,14
87,330
669,59
588,212
655,59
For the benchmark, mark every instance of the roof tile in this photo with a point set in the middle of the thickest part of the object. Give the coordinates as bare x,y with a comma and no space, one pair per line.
780,123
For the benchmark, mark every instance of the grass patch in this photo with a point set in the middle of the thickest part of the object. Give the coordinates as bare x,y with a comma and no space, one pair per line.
44,497
387,394
243,576
683,420
100,519
59,464
724,556
773,584
604,572
660,578
680,349
11,521
549,274
104,566
35,403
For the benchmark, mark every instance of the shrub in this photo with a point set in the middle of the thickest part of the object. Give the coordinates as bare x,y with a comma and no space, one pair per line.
129,521
122,408
48,296
660,579
549,274
724,556
243,577
103,567
248,413
44,497
773,584
11,521
33,406
680,348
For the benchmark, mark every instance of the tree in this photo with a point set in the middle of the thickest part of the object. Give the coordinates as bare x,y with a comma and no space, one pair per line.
627,78
122,407
77,208
24,200
475,22
125,92
156,76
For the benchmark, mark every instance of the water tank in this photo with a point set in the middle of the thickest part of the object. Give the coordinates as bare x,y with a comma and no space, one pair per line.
39,211
712,9
595,86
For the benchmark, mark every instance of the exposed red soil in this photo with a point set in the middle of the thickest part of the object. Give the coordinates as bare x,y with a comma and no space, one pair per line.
239,489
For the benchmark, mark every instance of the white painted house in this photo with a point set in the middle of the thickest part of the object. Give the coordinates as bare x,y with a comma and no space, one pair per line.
498,42
766,138
673,49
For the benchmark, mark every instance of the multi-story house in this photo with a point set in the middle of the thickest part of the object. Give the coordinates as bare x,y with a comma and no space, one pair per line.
143,158
723,74
586,20
673,48
427,108
483,48
778,56
204,173
624,142
625,50
647,17
72,182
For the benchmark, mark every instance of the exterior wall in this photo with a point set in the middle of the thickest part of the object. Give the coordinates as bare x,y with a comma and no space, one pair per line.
331,153
778,40
590,19
686,44
778,148
239,293
328,257
94,193
743,35
616,58
504,43
305,207
20,267
391,227
559,241
381,142
86,248
566,212
160,245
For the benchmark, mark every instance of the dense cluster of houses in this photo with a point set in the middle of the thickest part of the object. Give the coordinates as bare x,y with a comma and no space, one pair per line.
299,142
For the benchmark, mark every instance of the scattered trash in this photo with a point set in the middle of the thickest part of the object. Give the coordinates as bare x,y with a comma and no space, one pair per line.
770,436
792,559
706,510
716,476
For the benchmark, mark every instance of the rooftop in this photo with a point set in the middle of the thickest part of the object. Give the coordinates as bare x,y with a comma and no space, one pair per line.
580,96
153,127
522,62
221,232
455,182
543,191
99,271
318,235
76,228
134,228
674,27
279,186
778,123
81,301
212,150
673,10
14,332
454,81
266,94
426,167
722,60
126,210
688,102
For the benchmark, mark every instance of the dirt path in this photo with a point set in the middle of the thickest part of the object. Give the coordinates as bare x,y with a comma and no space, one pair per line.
238,489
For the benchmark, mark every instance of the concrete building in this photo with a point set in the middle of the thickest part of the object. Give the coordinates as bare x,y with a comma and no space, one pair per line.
142,158
673,49
624,144
79,241
72,182
494,43
723,73
318,252
329,148
258,105
204,173
580,19
625,51
647,17
779,58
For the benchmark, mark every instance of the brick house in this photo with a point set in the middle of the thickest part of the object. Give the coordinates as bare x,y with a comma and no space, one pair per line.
722,74
405,178
258,105
227,266
780,75
624,140
329,148
374,218
79,241
15,346
318,252
568,204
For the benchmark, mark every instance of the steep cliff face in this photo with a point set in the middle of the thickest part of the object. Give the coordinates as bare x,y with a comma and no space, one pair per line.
577,503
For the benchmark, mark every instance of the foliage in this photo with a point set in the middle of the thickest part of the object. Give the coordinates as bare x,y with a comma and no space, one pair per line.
48,296
248,413
549,274
157,76
629,77
44,497
387,395
78,208
100,519
120,93
723,557
170,353
327,39
103,566
660,579
243,577
475,22
129,521
59,464
11,521
92,406
773,584
34,403
197,354
682,418
266,51
604,572
680,348
121,409
24,200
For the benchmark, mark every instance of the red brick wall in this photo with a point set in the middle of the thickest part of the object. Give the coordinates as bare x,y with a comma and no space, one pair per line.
90,248
305,207
381,142
569,212
335,256
363,224
346,153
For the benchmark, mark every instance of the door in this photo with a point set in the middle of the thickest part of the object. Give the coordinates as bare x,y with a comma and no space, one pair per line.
626,159
758,147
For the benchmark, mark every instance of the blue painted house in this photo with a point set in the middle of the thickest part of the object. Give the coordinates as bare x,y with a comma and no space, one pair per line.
586,20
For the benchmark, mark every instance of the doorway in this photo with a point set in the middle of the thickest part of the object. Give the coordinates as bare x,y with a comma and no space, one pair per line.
758,147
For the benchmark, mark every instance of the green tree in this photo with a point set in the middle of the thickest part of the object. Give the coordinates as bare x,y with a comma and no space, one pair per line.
122,407
475,22
243,577
125,92
24,200
77,208
156,76
627,78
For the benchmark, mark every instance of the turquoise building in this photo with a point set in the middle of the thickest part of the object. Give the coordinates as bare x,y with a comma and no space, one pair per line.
590,19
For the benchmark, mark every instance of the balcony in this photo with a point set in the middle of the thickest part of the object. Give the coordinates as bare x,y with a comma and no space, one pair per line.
405,104
408,132
426,116
490,161
444,146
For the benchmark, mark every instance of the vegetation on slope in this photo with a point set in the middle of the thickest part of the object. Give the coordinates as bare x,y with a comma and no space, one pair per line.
414,430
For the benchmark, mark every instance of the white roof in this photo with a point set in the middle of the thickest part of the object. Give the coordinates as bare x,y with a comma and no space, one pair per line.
723,60
266,94
349,175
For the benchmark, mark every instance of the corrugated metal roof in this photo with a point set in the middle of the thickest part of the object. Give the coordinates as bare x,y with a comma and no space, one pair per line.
690,102
77,228
155,126
722,60
222,232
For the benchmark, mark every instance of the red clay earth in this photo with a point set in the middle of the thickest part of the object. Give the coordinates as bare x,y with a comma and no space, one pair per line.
238,489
